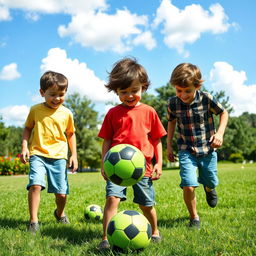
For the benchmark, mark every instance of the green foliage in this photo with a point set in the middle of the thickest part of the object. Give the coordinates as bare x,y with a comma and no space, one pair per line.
236,158
86,121
12,166
228,229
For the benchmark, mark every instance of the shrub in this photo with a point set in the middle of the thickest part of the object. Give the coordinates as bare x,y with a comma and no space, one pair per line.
12,166
236,158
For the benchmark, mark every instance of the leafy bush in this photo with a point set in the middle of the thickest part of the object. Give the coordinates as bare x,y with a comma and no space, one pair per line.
236,158
12,166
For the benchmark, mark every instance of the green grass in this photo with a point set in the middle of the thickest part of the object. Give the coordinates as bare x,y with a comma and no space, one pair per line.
228,229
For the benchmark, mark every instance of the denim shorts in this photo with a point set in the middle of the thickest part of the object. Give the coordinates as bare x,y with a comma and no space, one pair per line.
143,192
205,165
56,171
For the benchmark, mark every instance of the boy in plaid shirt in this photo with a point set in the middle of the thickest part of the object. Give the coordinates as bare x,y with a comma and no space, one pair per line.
197,141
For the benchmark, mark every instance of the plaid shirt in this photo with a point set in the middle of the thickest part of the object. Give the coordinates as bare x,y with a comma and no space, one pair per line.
195,122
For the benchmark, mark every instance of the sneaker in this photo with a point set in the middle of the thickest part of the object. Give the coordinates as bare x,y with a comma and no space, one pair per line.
63,220
156,239
33,227
211,197
195,223
103,245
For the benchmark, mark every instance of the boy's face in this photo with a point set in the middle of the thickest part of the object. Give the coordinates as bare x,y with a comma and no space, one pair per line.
53,97
131,96
186,94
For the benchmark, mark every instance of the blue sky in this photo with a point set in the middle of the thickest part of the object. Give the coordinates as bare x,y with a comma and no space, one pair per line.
83,39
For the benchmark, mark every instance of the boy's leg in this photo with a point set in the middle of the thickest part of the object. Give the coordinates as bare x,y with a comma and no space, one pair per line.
190,201
33,202
150,213
144,196
60,200
114,194
110,209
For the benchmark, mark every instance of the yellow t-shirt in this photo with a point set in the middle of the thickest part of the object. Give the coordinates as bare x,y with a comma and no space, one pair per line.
49,126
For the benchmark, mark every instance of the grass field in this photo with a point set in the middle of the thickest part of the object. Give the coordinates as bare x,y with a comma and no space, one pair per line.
228,229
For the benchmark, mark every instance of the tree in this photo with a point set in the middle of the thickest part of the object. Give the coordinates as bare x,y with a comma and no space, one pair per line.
86,121
3,136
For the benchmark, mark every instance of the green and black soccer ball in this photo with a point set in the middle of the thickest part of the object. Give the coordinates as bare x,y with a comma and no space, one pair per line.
129,230
93,212
124,165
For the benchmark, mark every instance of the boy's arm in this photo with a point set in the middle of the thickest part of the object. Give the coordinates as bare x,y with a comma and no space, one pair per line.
72,146
217,139
157,169
105,148
24,147
170,134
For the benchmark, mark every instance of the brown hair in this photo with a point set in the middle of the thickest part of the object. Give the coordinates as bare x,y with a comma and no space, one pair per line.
124,73
185,75
51,78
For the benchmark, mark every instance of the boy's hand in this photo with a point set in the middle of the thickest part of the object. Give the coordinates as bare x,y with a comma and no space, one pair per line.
157,172
24,156
73,164
170,155
216,140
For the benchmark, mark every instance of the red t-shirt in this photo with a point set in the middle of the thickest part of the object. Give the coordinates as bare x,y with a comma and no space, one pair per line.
137,126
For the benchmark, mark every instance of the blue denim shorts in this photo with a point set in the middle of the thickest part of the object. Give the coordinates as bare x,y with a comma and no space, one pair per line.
205,165
143,191
56,171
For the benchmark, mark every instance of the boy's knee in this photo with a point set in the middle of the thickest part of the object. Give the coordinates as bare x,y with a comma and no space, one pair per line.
35,188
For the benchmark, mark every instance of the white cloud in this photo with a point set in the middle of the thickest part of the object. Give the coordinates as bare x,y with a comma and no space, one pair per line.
241,96
181,27
81,79
14,115
91,25
103,32
9,72
146,39
55,6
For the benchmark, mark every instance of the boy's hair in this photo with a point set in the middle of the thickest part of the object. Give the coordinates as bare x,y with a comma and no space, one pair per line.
124,73
51,78
185,75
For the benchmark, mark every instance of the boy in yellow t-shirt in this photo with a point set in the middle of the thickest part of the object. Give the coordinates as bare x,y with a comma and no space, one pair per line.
49,129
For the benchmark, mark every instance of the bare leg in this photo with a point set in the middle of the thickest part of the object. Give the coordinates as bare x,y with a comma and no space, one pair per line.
150,213
190,201
60,200
33,202
110,210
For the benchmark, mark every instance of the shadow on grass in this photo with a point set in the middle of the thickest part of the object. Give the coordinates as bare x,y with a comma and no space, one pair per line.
71,234
11,223
170,223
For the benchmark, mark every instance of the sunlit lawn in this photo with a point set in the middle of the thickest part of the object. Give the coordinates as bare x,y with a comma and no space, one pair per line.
229,229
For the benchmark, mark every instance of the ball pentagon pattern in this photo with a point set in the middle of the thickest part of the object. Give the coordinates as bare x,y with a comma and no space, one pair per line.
129,229
124,165
93,212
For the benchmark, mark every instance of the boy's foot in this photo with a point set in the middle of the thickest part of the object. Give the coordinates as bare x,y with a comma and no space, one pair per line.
211,197
156,239
63,220
103,245
195,223
33,227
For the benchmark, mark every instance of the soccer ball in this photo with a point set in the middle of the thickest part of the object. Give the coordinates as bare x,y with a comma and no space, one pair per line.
129,230
124,165
93,212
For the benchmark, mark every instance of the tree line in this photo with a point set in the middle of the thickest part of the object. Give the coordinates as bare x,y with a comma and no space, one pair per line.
239,140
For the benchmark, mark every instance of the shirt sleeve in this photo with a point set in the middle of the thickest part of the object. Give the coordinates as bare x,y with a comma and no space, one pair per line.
170,107
30,121
215,106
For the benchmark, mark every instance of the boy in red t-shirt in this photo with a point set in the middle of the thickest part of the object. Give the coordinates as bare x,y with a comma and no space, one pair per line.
138,124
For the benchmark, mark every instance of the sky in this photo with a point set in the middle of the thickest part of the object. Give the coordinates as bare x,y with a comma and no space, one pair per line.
83,39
